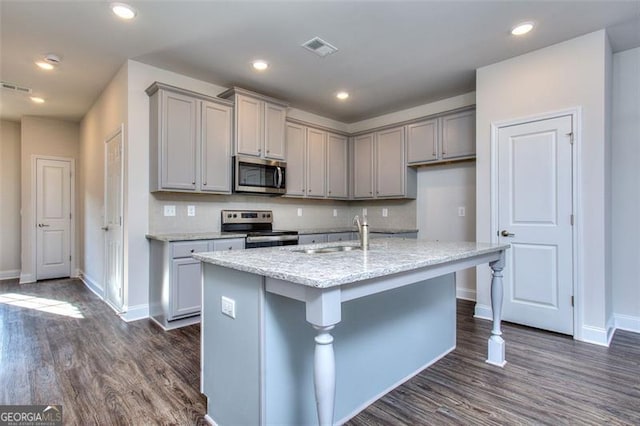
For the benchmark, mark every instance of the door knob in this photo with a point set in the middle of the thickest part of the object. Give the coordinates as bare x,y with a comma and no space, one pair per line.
506,233
42,225
105,228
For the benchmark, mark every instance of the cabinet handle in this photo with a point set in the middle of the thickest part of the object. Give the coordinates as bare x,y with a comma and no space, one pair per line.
193,250
268,151
329,191
259,149
193,183
370,192
205,183
230,247
309,190
377,192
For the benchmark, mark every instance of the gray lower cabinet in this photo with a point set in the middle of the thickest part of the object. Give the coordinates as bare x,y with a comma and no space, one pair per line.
312,238
341,236
175,297
394,235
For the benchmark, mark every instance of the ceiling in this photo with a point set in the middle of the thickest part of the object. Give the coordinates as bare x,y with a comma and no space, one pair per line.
392,54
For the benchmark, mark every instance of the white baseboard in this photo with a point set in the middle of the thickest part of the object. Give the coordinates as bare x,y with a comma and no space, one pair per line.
596,335
91,284
209,420
10,274
466,294
135,313
627,323
27,278
483,312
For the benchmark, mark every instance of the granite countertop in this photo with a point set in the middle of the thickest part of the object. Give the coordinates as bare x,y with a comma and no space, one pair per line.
385,257
193,236
353,229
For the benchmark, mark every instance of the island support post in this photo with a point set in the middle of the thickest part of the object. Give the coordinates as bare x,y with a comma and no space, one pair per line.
496,349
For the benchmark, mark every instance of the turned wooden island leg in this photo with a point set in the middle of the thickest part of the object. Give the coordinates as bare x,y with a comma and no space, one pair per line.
496,350
324,375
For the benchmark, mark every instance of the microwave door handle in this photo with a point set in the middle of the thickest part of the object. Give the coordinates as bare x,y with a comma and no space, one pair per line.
279,185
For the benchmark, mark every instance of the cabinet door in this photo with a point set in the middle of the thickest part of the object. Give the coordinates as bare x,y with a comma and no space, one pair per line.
249,123
422,141
459,135
296,141
312,239
228,244
215,147
363,166
390,164
185,282
274,131
316,161
337,155
178,141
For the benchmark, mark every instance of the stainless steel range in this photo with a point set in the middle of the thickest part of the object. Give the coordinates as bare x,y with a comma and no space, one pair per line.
258,225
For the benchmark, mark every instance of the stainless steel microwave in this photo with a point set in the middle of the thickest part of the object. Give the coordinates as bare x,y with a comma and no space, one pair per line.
259,176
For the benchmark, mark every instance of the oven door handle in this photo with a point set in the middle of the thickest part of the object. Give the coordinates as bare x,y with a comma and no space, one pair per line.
266,238
279,185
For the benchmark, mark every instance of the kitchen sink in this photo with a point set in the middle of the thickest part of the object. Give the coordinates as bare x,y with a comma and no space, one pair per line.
331,249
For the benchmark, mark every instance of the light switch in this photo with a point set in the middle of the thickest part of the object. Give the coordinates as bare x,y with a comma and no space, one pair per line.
335,212
364,211
461,211
299,211
169,210
385,212
191,210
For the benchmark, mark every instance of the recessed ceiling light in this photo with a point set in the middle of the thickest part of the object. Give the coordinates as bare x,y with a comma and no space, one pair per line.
260,65
342,95
37,100
522,28
44,65
123,11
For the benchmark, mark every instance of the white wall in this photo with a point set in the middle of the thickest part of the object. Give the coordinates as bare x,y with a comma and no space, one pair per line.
107,114
626,189
42,136
441,191
566,75
9,199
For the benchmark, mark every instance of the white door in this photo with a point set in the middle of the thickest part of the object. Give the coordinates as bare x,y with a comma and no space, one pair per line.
535,217
113,222
53,218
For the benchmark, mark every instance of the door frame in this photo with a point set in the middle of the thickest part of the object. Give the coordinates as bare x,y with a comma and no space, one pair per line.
577,254
119,130
73,271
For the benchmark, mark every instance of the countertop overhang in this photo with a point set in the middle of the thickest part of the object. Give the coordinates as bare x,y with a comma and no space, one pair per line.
323,270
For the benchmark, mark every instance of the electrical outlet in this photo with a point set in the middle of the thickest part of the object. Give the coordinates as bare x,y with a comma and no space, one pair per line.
191,210
299,211
335,212
364,211
169,210
461,211
228,306
385,212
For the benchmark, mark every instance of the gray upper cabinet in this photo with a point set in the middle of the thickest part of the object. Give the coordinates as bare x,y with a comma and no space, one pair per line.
259,124
445,138
316,165
391,165
380,167
363,152
296,139
190,140
337,166
459,135
422,141
215,148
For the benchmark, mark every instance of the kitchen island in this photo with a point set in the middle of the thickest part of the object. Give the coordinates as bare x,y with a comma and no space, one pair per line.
390,309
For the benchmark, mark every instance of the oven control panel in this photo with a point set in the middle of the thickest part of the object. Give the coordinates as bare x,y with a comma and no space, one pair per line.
247,216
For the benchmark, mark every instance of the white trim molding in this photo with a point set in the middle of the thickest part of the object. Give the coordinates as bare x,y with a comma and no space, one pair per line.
27,278
10,274
91,284
466,294
595,335
627,323
135,313
483,312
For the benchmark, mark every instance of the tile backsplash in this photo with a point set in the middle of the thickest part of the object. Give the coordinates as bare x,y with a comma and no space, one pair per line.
315,213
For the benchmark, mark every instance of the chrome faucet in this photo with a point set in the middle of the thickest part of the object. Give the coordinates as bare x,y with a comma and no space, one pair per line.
363,230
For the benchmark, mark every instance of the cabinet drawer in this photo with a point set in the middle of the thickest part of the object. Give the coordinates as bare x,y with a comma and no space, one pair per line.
342,236
231,244
312,239
187,248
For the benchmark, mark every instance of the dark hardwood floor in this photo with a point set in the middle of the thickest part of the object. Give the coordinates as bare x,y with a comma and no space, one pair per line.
59,344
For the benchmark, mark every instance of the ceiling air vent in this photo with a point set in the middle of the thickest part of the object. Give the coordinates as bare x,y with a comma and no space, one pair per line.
319,47
16,88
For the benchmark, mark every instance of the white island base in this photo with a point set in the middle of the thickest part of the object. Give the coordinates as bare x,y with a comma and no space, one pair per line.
301,355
